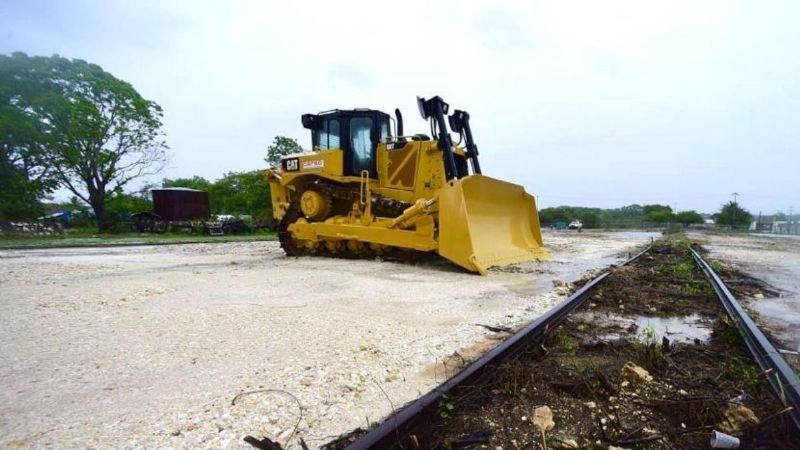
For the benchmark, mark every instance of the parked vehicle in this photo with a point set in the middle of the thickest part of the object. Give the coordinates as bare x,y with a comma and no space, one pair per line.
575,225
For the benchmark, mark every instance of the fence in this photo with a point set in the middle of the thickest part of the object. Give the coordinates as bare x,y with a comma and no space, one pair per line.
788,227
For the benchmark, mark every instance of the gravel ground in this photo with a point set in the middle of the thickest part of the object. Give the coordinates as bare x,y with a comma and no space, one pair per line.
146,347
775,260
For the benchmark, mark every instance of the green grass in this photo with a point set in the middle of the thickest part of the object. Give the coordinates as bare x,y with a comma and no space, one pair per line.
746,373
446,407
648,350
683,270
726,331
716,266
569,345
90,238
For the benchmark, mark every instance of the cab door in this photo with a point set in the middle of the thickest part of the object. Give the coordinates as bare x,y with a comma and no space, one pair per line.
363,143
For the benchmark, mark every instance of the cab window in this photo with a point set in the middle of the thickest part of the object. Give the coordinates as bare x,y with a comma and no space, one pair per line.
361,143
385,130
329,136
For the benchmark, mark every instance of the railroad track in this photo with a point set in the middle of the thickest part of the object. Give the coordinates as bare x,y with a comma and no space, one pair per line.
782,378
398,430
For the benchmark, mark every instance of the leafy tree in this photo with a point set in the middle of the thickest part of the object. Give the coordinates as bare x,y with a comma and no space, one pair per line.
98,134
688,217
660,216
25,178
549,216
647,209
734,215
242,193
20,194
630,211
658,213
626,216
120,205
235,193
195,182
281,147
589,219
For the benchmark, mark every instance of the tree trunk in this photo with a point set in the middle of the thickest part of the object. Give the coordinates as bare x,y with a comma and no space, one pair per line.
98,203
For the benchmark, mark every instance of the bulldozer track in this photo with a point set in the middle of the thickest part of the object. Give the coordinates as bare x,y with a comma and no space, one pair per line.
400,430
342,198
284,235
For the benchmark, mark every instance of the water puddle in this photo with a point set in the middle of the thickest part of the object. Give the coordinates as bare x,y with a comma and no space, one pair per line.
685,329
689,328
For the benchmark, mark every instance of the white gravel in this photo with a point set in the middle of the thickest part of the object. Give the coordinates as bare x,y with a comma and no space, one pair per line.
145,347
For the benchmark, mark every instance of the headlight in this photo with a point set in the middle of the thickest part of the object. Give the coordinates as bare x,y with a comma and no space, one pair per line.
421,106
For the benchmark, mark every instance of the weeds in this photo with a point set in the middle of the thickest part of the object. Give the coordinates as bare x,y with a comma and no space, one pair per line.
683,271
746,373
568,344
595,386
513,378
725,331
738,369
446,407
649,350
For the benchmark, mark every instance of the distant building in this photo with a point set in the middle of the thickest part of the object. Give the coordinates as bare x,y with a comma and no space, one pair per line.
775,224
760,227
785,227
180,204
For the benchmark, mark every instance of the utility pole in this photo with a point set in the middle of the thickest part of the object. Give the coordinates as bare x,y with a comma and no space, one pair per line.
789,223
735,206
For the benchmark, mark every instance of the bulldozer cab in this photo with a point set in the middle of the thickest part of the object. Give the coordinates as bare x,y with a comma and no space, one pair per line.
356,132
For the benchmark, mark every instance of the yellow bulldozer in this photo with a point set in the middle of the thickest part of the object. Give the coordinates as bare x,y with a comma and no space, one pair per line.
366,191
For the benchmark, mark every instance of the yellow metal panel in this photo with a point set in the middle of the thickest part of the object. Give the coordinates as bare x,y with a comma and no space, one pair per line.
430,176
326,163
402,167
485,222
375,233
278,194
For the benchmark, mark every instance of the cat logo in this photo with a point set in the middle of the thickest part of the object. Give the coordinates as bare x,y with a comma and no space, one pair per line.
291,164
395,145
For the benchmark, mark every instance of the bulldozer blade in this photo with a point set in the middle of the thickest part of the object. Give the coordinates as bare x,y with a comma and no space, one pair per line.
486,223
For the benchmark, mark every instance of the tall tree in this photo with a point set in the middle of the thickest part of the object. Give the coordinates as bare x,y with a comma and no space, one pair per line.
658,213
25,178
235,193
97,132
688,217
280,147
196,182
243,193
734,215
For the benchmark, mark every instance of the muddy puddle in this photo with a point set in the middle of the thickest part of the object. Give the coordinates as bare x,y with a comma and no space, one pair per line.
686,329
650,361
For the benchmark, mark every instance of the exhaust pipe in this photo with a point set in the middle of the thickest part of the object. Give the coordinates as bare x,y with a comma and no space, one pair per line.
399,122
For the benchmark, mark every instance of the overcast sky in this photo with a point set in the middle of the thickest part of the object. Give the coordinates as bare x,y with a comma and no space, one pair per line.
596,103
